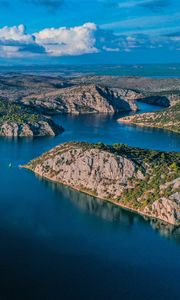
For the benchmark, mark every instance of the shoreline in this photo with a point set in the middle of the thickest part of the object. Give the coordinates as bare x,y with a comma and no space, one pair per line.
129,122
125,207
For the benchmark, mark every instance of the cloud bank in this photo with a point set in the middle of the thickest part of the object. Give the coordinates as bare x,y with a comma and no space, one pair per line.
15,42
78,40
68,41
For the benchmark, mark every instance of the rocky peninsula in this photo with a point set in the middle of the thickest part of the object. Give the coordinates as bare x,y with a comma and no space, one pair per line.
168,119
144,181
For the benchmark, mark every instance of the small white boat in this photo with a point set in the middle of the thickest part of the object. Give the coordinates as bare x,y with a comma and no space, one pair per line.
10,165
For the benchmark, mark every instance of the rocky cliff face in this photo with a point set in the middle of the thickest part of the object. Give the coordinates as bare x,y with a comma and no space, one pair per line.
111,174
28,129
17,120
167,209
83,99
128,95
156,91
99,172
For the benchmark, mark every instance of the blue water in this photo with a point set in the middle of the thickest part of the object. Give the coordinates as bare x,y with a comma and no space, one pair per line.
56,243
146,70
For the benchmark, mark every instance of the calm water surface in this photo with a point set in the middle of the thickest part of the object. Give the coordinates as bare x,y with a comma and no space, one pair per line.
56,243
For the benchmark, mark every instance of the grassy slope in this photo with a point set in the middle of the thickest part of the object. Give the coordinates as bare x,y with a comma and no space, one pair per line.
11,112
168,119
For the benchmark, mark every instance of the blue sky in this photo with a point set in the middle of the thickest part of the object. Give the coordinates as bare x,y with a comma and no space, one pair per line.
84,31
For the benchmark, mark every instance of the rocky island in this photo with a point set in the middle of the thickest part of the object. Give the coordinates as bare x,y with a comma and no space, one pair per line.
18,121
168,119
144,181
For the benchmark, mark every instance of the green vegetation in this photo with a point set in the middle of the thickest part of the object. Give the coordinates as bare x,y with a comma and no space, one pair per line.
168,118
156,184
140,156
159,168
12,112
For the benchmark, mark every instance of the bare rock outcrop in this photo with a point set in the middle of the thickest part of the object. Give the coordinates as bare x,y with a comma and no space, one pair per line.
102,173
83,99
114,175
28,129
17,120
167,209
156,91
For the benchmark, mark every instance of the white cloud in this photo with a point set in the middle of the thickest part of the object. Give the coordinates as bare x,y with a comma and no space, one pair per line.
15,33
109,49
175,38
79,40
68,41
15,42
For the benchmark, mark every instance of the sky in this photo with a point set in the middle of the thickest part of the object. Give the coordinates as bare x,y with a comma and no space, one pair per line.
89,31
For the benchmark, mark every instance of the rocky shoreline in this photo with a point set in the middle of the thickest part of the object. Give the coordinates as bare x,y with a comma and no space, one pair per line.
40,128
19,121
167,119
117,174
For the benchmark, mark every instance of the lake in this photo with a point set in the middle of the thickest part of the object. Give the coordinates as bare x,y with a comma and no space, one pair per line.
57,243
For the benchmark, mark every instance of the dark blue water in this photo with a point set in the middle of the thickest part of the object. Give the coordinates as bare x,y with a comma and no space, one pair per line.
56,243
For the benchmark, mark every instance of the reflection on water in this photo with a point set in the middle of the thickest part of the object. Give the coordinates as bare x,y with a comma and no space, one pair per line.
166,230
111,212
96,206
